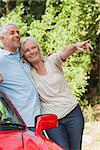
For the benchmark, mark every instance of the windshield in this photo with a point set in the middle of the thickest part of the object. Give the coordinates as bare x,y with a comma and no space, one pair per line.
9,119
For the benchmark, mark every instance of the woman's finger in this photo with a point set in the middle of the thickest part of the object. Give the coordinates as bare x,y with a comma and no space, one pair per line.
87,41
90,46
80,48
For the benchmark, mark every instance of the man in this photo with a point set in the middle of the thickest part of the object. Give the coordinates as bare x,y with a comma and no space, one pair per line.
17,81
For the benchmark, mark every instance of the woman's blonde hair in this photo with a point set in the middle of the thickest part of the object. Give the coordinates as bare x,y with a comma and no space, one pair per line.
31,39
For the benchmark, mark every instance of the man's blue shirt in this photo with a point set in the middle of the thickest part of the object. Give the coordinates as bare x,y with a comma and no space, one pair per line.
19,85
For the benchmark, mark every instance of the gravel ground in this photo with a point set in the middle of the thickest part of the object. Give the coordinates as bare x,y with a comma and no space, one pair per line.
91,137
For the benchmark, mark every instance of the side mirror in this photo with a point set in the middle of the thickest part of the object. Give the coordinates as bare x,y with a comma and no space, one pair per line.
44,122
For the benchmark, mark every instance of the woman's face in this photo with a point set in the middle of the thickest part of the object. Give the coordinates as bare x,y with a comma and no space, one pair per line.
31,52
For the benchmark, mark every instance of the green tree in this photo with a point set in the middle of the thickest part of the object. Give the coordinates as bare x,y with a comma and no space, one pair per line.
63,23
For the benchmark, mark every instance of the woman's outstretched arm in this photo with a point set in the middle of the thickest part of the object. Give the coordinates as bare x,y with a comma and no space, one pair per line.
69,50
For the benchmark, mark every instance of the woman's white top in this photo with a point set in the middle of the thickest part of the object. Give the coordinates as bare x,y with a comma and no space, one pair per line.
55,94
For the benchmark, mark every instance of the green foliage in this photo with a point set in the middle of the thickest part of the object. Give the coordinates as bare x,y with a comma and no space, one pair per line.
2,8
15,16
89,114
64,22
61,25
98,138
77,70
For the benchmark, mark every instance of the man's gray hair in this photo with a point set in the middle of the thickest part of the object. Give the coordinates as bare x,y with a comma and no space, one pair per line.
5,27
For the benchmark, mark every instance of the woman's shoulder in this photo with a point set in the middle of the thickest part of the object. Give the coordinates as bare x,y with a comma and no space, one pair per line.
53,56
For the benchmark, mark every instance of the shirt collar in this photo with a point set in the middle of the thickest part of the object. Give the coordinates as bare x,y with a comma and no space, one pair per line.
6,53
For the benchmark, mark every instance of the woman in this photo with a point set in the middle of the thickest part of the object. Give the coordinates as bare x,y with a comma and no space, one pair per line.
55,95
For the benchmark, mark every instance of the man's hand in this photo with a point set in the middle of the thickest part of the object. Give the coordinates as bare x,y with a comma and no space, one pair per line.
1,78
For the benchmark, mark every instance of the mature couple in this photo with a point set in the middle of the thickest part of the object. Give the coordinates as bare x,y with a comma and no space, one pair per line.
27,77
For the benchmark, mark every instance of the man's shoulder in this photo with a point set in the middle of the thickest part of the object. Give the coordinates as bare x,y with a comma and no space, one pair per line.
2,56
1,49
1,52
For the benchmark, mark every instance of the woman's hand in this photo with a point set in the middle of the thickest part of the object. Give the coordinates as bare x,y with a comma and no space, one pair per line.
69,50
83,45
1,78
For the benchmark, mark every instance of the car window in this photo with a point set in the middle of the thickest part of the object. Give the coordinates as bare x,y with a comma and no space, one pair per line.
9,119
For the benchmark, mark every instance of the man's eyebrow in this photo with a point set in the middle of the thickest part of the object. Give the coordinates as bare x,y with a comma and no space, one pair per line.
13,31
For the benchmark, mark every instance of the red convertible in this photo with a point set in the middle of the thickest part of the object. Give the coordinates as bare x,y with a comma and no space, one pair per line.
15,135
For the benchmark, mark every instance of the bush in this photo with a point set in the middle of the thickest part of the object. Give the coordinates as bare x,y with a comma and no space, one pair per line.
16,17
64,22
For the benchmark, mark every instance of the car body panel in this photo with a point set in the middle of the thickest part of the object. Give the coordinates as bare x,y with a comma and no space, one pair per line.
15,135
11,140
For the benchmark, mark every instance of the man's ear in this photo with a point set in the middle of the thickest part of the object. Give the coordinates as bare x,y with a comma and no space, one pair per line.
2,39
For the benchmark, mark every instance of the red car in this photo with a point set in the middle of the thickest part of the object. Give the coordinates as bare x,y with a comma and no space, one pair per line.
15,135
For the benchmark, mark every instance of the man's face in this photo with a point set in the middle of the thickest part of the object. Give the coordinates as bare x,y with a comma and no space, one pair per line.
11,39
